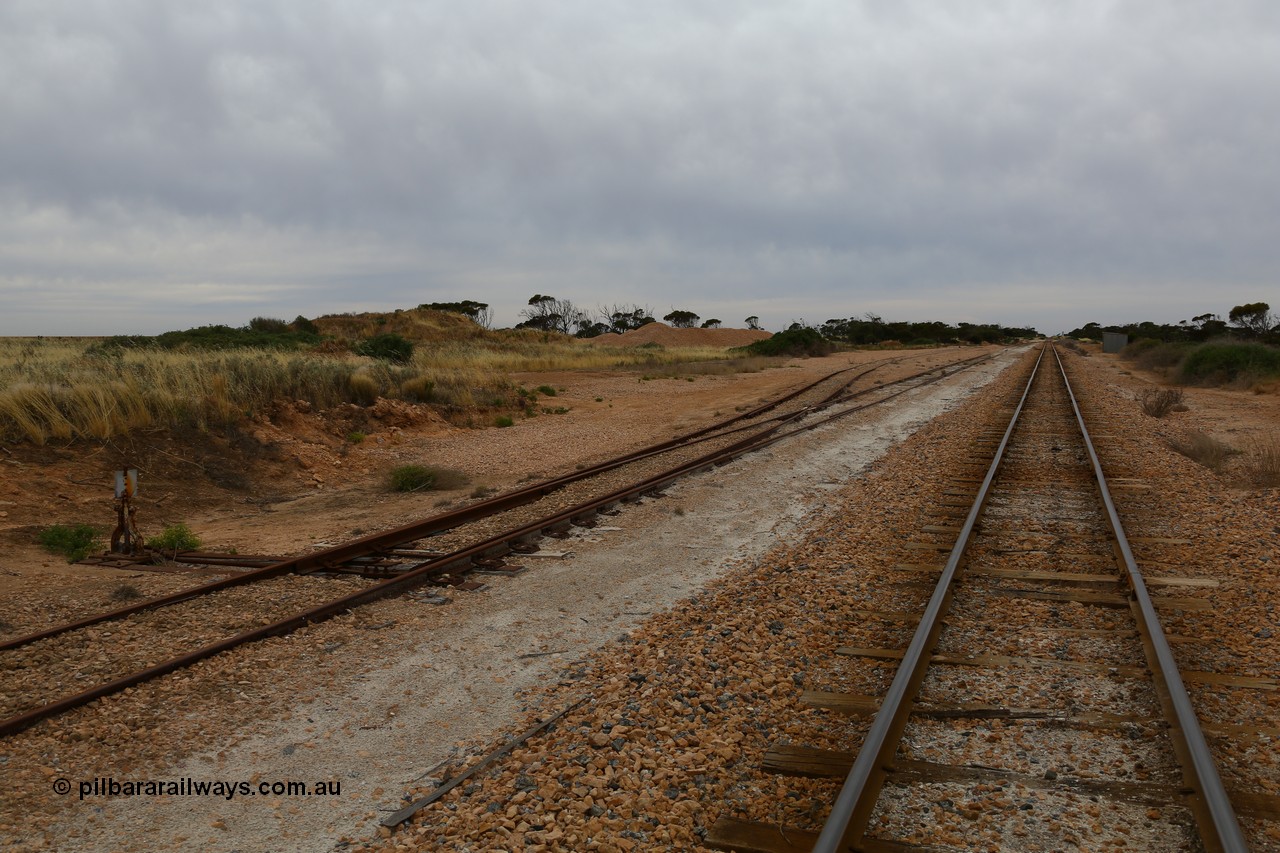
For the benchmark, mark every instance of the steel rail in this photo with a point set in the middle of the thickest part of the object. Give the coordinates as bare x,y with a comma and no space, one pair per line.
851,812
438,523
442,522
1215,817
427,570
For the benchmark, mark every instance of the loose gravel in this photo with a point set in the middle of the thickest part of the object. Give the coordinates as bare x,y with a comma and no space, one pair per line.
680,709
247,711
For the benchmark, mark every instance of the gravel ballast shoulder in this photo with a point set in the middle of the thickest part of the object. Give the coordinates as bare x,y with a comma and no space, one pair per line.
681,713
373,698
689,631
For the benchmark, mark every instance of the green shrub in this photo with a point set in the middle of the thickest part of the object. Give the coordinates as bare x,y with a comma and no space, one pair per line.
802,341
546,391
1221,363
1162,356
355,437
504,421
387,347
75,541
261,333
174,538
269,325
411,478
416,478
1133,349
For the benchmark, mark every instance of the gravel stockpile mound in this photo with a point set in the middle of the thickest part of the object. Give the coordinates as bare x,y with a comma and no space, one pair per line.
661,333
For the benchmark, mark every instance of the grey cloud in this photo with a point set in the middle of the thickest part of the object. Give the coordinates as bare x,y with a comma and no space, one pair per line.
915,155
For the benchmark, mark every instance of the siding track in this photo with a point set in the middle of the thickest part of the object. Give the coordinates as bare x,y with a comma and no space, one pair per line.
78,662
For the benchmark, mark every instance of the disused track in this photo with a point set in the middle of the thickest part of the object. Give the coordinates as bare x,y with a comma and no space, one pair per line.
1022,716
659,464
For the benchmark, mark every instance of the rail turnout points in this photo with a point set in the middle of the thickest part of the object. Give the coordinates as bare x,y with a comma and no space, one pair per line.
1034,675
160,636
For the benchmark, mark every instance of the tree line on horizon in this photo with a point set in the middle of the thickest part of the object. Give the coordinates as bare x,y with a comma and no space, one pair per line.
1252,321
551,314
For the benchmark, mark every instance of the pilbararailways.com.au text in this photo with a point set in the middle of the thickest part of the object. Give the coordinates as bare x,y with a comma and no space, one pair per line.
188,787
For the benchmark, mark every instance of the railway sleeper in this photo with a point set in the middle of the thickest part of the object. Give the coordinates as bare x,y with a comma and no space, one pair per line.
856,705
1086,667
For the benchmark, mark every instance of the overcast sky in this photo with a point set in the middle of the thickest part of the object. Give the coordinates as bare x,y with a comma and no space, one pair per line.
165,165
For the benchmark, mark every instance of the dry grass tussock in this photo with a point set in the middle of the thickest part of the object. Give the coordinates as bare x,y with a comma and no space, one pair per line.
1159,402
62,389
1203,449
1262,462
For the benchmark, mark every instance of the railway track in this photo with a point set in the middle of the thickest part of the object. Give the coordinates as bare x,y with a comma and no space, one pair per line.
1034,703
94,657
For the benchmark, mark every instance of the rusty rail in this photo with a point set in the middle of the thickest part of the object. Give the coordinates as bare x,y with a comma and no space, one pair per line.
442,522
434,567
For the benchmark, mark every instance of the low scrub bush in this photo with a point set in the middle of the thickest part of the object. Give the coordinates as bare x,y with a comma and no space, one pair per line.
1158,402
125,592
504,421
1204,449
388,347
1154,355
174,538
546,391
417,478
1133,349
73,541
1224,363
801,341
271,325
261,333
